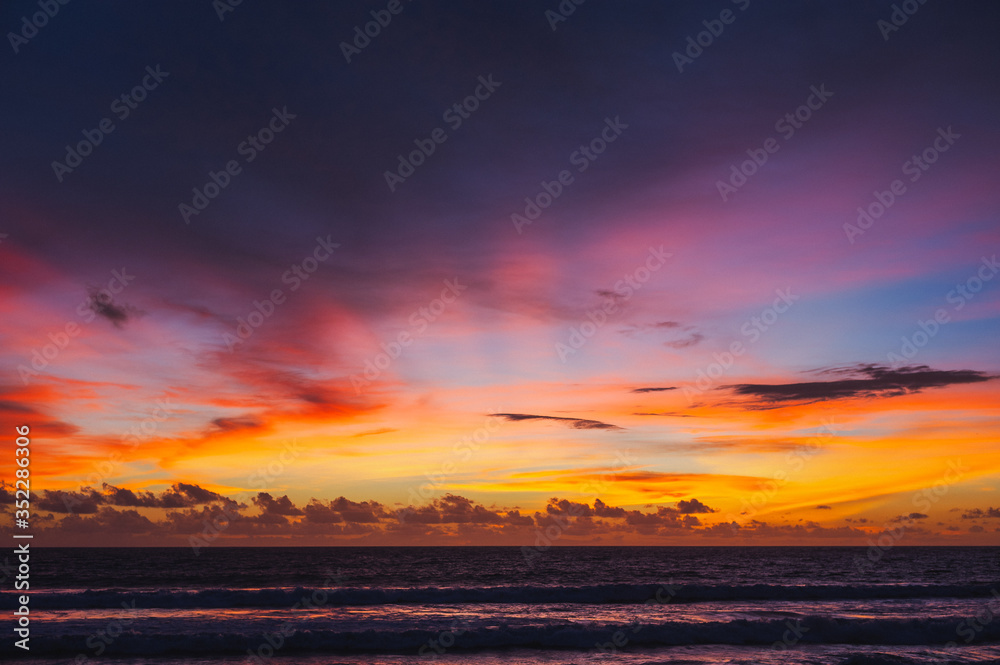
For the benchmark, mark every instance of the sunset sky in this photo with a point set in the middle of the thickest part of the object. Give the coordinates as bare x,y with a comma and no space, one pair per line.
664,351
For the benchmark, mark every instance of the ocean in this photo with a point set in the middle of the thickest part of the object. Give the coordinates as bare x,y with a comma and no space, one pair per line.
486,605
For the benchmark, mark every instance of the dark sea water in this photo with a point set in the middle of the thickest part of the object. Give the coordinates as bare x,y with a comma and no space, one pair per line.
493,605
